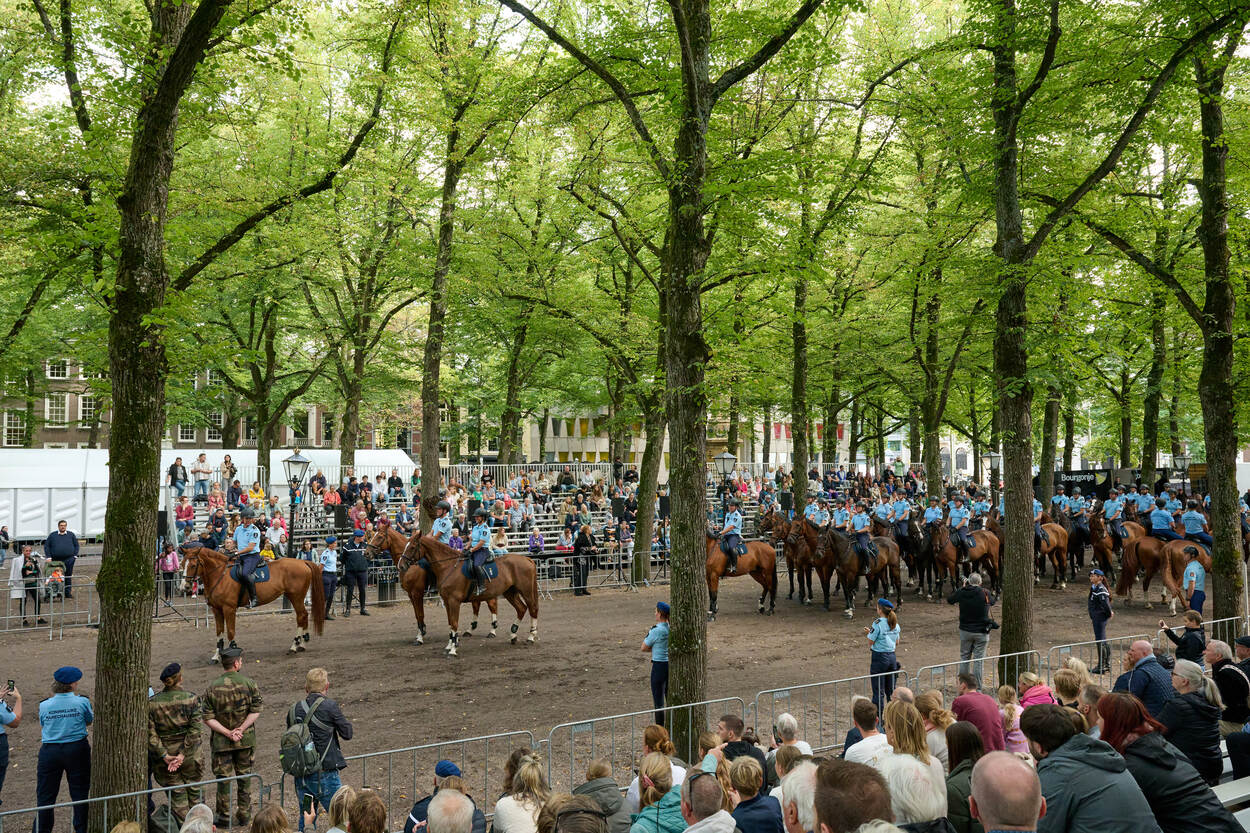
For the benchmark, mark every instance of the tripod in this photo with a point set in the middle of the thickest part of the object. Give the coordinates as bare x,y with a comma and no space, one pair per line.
160,601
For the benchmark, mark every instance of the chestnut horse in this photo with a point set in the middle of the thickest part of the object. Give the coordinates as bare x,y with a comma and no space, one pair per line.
840,551
415,580
1156,556
288,577
759,562
984,552
803,549
517,582
774,524
1055,548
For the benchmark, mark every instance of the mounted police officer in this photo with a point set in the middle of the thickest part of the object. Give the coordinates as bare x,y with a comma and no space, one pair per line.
731,535
957,522
902,517
247,545
479,549
1145,502
980,511
884,511
1113,514
174,718
440,529
1161,522
1078,511
932,515
1059,502
1196,528
1040,537
860,526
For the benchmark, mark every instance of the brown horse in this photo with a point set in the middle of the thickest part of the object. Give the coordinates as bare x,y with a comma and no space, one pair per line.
288,577
759,562
1153,555
776,528
1101,541
984,553
1055,548
517,582
840,551
803,550
415,580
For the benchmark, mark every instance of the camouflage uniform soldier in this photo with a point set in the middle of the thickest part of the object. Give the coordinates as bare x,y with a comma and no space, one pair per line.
231,706
174,740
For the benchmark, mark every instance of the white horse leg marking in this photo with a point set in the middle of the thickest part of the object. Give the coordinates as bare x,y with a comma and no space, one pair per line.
494,626
533,630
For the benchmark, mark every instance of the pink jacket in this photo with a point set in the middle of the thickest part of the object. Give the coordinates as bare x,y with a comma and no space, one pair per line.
1039,693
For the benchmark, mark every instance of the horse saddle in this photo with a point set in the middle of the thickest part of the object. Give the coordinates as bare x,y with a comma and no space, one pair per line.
261,573
490,567
741,549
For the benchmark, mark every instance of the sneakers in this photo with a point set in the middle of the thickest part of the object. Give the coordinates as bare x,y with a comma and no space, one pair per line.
347,612
364,612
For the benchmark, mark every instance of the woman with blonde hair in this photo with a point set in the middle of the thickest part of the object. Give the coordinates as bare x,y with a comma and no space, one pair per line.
1067,686
340,803
660,800
655,739
517,812
1033,691
1079,666
904,731
936,721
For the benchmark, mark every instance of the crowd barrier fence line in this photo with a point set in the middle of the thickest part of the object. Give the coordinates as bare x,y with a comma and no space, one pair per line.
1087,652
824,707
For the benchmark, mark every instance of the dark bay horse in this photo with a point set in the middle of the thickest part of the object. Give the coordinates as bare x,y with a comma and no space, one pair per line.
759,562
288,577
416,581
803,549
1055,548
984,553
517,582
841,553
776,528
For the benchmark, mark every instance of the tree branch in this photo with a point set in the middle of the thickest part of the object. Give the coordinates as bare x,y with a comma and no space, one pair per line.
770,48
1043,68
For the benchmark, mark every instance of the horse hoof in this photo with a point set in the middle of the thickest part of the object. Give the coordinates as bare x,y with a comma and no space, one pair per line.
512,639
1149,606
418,641
848,613
452,653
299,649
291,650
490,635
530,639
790,595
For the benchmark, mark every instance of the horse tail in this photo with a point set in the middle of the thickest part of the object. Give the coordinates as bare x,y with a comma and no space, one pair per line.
318,599
1128,569
774,572
533,596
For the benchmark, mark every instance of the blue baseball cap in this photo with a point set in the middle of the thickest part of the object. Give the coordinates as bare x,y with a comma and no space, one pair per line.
330,539
1097,572
886,604
663,608
360,533
67,674
446,769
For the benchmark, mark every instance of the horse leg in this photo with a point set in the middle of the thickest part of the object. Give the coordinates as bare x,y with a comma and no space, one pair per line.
713,585
418,607
790,570
453,624
301,620
848,592
229,614
473,624
220,620
493,605
805,589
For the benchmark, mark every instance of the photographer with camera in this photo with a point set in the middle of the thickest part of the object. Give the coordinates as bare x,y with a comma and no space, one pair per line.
975,623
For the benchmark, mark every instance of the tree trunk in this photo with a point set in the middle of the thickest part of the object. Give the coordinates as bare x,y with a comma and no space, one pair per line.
932,458
648,481
768,436
1174,402
431,366
350,422
798,386
852,442
735,417
542,435
1069,436
1050,445
832,411
31,420
137,368
975,429
914,448
1126,420
1154,379
510,421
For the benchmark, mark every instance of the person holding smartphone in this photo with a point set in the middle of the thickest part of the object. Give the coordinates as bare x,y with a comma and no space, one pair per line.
10,718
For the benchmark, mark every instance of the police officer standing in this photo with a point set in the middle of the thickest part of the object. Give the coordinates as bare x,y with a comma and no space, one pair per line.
247,545
356,569
231,707
656,642
330,572
64,718
174,718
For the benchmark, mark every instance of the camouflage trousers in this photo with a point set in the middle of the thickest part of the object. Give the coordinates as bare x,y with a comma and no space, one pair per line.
228,762
180,800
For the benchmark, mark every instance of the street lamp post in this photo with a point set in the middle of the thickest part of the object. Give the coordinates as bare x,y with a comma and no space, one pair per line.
725,462
296,466
1181,461
995,458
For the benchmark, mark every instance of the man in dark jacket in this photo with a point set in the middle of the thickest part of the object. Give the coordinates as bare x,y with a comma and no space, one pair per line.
62,546
975,623
1177,795
1085,783
1233,684
730,730
1145,678
355,571
421,810
327,725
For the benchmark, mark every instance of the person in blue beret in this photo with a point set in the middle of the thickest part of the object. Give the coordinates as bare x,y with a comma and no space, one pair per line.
64,718
656,642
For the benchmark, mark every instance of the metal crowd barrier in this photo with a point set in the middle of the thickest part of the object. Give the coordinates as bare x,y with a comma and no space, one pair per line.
402,776
1226,630
134,805
823,710
996,670
618,739
1087,652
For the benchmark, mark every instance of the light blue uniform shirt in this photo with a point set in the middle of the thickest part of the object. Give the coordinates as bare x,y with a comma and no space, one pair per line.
245,536
6,716
329,560
1173,505
1002,506
956,516
1060,500
1193,572
733,523
980,508
840,517
1110,508
479,537
441,529
1193,521
819,517
883,511
65,717
883,637
1160,519
1078,507
902,510
1144,501
1037,507
860,521
657,640
933,514
810,510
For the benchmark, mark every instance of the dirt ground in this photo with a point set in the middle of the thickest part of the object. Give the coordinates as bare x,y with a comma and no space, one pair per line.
586,663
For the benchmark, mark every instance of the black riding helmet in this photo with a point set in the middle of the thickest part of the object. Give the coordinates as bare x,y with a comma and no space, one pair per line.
1160,502
735,502
1192,504
444,505
480,513
1076,490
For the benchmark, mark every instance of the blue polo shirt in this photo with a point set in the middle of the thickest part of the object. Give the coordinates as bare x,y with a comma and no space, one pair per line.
657,641
1195,572
860,521
1144,502
245,535
1037,507
65,717
1193,521
480,536
6,716
441,530
933,514
956,516
329,560
1160,519
1110,508
902,511
733,523
1077,506
884,638
883,511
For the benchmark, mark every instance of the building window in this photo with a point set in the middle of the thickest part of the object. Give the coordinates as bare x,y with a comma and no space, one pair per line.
14,429
327,429
55,410
215,421
88,408
894,445
186,433
555,427
213,378
961,459
299,425
58,369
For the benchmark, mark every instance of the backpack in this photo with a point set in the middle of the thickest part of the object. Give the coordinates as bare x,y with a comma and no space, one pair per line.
163,820
297,754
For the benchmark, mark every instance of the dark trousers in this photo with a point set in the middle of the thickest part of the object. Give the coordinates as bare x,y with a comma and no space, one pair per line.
659,688
1164,534
581,572
355,580
4,761
69,574
1239,753
167,583
1201,538
883,686
1100,636
1197,600
330,582
73,760
32,595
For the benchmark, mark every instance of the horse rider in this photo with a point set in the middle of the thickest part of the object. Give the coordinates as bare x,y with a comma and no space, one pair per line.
1196,528
811,510
1173,506
1113,514
957,522
979,506
884,511
731,534
1145,502
902,517
1059,502
1161,522
932,515
247,545
860,525
479,549
1078,510
440,529
1040,538
842,518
